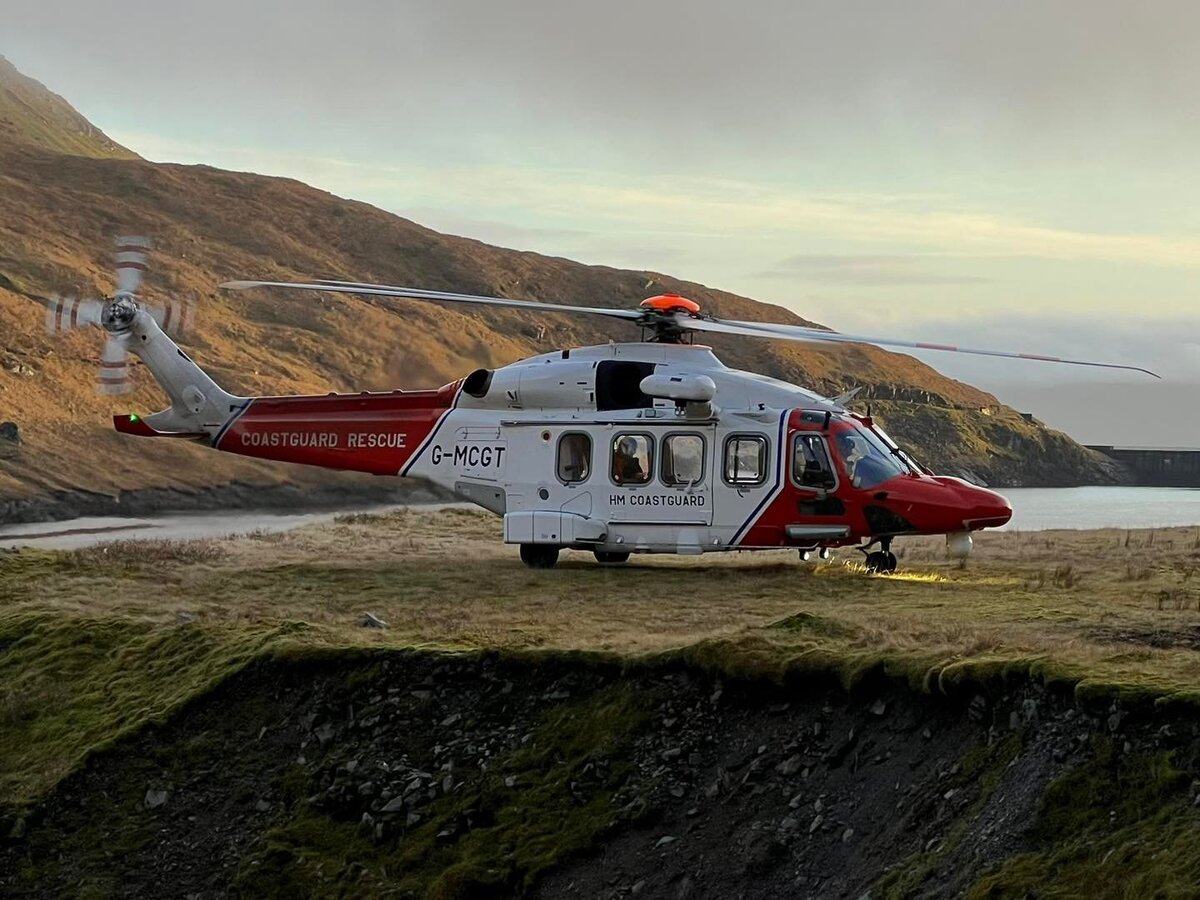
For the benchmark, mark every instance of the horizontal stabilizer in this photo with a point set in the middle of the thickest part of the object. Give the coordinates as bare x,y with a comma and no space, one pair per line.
139,427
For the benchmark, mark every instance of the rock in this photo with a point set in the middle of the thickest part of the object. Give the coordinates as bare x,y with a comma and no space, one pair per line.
638,887
847,835
325,734
790,766
685,888
816,823
414,818
671,753
878,708
1029,711
370,620
10,432
154,799
665,840
262,806
451,720
394,805
977,708
510,781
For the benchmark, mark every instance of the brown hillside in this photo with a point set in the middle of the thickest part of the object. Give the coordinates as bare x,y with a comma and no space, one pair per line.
58,214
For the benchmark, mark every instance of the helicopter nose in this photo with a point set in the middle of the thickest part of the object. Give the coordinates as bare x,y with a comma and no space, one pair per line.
986,509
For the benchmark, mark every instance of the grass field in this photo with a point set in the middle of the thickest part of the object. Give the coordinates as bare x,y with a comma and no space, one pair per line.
96,642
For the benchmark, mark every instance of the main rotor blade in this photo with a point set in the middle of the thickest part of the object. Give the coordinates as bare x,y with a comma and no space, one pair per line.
800,333
384,290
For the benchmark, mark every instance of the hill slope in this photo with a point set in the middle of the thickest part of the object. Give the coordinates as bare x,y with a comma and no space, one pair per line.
29,112
61,206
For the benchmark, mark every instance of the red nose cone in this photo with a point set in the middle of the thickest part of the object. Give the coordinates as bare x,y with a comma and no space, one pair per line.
991,510
671,303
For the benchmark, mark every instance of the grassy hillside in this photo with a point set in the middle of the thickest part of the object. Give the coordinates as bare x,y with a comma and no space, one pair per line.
32,114
59,213
233,676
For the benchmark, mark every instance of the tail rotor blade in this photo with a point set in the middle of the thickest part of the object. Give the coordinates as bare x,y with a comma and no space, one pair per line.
175,317
114,375
65,314
131,263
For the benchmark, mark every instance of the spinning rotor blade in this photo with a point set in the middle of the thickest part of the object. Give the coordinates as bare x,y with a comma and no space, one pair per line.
800,333
174,316
67,313
114,375
131,263
383,290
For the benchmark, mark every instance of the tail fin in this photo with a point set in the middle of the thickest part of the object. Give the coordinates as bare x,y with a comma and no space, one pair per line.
199,406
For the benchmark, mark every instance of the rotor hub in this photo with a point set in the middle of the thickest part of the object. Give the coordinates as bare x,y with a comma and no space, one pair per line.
118,314
659,314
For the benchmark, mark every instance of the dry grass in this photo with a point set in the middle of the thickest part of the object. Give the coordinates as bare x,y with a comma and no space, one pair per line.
96,643
1118,605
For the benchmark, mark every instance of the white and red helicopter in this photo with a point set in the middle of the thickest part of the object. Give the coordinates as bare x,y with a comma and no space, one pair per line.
646,447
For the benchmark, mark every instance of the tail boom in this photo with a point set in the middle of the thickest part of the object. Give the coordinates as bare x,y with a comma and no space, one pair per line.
377,433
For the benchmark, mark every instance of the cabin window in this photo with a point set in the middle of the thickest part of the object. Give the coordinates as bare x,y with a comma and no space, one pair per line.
632,458
811,467
683,459
745,459
574,457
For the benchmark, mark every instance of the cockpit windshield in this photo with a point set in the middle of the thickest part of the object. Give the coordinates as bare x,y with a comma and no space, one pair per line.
868,460
896,450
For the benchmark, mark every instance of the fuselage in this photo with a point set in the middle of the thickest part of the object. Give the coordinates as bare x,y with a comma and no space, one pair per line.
571,451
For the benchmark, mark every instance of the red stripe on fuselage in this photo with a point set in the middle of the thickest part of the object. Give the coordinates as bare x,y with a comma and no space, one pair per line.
376,433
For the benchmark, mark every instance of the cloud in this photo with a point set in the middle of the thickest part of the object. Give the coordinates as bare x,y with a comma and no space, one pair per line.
1168,346
852,269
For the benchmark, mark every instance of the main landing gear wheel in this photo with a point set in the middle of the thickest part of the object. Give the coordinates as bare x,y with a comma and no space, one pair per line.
539,556
881,561
611,556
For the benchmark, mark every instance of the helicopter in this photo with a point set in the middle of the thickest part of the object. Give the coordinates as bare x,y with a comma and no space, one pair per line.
649,446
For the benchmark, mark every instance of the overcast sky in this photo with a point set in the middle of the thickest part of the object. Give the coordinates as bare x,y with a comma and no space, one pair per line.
1019,175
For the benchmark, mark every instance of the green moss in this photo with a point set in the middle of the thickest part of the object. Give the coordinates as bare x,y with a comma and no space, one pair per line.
70,686
519,831
1119,826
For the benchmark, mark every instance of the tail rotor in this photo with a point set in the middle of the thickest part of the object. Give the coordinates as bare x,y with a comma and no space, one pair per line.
116,314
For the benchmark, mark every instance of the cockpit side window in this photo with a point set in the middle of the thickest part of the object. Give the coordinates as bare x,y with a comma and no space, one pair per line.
811,466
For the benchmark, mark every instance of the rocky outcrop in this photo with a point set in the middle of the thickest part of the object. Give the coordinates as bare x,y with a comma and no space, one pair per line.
432,775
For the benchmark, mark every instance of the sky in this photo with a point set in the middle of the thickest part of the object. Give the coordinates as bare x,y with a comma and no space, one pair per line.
1011,175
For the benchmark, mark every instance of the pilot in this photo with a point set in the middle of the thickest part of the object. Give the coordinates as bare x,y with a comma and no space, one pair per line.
863,466
626,466
852,454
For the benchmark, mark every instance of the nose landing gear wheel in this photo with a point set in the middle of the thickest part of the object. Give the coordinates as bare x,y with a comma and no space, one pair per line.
881,561
539,556
611,556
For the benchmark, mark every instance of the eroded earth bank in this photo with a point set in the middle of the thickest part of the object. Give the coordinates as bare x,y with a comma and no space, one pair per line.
431,775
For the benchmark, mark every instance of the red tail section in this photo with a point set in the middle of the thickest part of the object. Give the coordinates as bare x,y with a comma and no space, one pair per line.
376,433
